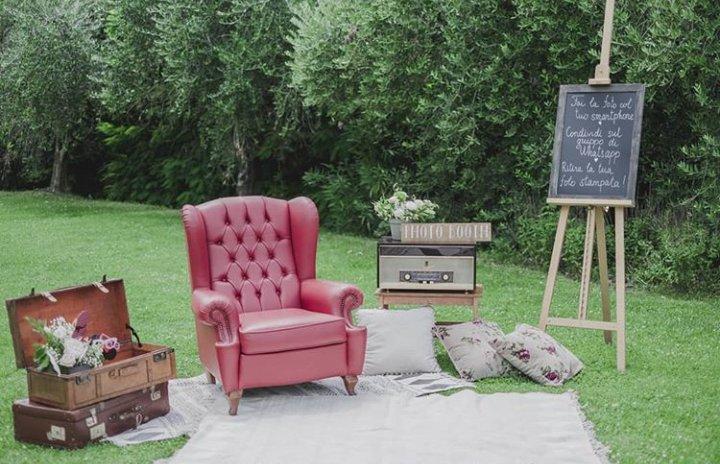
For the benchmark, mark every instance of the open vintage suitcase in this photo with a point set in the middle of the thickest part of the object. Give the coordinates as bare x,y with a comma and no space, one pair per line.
135,367
44,425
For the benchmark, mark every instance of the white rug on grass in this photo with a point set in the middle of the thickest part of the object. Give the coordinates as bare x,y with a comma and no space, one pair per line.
387,429
192,399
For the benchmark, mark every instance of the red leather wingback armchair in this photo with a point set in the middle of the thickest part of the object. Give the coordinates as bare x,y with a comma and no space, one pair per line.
261,316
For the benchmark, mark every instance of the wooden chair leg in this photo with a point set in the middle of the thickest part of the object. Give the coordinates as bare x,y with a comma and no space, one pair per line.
210,378
234,401
350,381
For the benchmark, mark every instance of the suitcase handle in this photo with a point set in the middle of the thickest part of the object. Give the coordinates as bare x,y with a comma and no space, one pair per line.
132,369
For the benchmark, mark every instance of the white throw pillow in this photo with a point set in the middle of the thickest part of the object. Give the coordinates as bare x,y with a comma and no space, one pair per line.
468,348
398,342
537,355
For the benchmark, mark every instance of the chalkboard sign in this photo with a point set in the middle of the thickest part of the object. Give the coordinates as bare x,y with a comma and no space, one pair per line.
597,142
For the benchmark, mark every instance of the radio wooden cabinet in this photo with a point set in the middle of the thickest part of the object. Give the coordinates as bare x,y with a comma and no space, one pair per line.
443,267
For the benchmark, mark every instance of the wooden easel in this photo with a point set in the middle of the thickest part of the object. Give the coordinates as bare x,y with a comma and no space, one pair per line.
595,230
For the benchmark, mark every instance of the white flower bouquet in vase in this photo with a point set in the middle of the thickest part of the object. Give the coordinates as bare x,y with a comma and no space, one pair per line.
400,207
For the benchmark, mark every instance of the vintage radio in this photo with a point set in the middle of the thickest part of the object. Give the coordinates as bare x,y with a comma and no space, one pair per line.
135,367
404,266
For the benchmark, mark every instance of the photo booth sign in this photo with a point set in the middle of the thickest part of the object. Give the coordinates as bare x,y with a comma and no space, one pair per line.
446,232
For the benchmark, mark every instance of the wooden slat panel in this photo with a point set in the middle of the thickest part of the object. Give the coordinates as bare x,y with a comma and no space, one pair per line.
603,266
587,264
590,202
583,324
620,285
554,264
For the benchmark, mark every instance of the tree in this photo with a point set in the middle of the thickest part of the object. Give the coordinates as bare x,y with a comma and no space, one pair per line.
224,61
46,87
456,100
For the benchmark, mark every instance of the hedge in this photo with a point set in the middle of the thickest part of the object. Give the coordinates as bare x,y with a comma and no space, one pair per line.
454,100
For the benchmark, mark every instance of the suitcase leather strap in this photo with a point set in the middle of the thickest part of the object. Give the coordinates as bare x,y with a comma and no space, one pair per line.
134,333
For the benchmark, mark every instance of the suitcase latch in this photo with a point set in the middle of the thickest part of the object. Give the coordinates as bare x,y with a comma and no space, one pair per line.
157,357
92,420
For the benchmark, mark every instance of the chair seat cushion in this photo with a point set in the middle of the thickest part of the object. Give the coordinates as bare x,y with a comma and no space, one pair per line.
276,330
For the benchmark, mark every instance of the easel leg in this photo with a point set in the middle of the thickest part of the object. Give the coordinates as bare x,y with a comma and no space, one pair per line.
587,263
620,284
554,264
602,264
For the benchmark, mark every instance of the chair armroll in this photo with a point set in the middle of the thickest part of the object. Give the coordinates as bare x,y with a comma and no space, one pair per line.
217,310
330,297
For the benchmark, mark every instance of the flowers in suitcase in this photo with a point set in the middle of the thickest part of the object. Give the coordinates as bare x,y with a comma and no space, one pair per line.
67,349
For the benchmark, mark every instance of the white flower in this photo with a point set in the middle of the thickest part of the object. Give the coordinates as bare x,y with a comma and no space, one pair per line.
73,349
393,200
52,356
412,205
61,329
399,212
94,355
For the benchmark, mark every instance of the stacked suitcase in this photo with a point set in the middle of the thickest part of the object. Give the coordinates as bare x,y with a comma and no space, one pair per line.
70,411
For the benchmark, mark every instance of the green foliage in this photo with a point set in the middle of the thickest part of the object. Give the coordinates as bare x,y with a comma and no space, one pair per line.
460,97
163,167
46,90
206,88
340,100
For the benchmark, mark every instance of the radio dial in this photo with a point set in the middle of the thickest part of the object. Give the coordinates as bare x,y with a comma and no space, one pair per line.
407,277
445,277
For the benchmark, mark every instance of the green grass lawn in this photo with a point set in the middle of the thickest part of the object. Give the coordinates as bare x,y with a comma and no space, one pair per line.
665,408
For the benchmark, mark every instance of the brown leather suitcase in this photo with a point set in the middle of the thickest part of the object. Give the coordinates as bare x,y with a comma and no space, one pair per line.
136,366
44,425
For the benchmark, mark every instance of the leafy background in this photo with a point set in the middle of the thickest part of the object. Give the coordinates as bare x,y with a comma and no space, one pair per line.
183,101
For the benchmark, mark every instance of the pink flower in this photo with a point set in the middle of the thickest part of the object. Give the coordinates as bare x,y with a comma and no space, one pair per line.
551,376
522,355
550,349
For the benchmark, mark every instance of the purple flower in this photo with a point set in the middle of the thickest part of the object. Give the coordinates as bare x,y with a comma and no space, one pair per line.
550,349
551,376
440,332
522,355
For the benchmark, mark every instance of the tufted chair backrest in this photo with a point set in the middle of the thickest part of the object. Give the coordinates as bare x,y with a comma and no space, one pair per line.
255,250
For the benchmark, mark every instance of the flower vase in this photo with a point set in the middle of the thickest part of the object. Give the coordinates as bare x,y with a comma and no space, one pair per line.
395,226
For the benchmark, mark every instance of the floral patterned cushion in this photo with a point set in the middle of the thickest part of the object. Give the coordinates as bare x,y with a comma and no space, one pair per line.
537,355
470,353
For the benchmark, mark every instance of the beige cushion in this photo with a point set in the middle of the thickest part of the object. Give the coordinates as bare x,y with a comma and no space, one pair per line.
398,341
537,355
469,350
